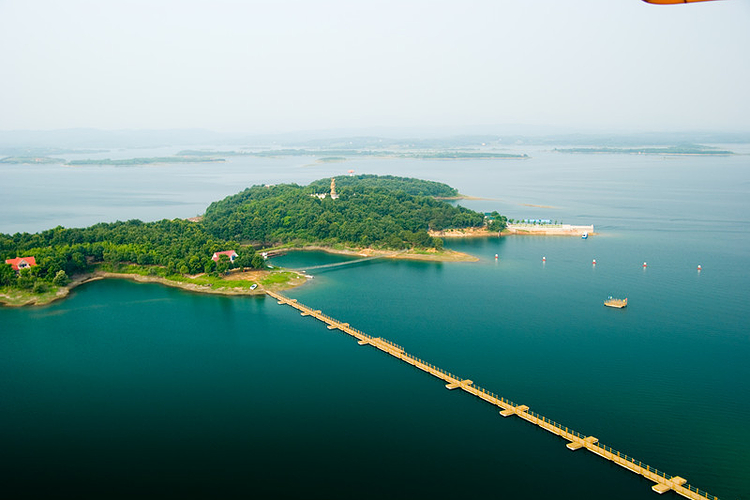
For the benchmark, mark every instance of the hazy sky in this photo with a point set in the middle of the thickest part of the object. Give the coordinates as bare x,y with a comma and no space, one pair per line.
276,66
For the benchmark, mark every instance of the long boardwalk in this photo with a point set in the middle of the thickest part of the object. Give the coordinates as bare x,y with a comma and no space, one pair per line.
345,263
664,482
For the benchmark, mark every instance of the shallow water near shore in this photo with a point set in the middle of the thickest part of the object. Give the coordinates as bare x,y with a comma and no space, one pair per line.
128,389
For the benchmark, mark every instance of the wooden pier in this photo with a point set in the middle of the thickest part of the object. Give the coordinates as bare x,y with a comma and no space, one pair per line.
663,481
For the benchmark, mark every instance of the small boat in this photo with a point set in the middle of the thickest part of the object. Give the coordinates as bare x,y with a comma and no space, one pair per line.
584,236
254,286
618,303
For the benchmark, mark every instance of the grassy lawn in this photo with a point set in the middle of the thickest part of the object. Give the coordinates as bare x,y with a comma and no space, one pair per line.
18,297
278,277
275,277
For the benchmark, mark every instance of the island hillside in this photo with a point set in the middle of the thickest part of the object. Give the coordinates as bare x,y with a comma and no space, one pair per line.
383,213
365,211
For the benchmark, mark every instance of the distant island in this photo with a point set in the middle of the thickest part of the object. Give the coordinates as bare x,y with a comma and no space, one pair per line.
323,156
35,152
327,156
366,214
667,150
39,160
145,161
343,154
29,160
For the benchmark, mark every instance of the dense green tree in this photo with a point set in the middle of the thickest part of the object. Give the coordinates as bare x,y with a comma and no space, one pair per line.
258,261
195,265
60,279
7,275
222,266
244,260
25,279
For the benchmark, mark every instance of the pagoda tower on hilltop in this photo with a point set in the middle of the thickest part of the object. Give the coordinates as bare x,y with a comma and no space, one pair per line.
334,195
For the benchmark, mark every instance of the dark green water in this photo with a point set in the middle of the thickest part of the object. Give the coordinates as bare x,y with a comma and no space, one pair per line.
127,390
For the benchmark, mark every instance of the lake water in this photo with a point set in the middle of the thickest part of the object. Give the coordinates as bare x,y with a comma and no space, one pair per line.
127,390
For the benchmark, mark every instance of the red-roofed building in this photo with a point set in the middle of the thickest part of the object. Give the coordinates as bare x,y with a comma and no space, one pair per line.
229,253
21,262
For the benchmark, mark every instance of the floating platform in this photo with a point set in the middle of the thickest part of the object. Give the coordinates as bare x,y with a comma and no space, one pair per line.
618,303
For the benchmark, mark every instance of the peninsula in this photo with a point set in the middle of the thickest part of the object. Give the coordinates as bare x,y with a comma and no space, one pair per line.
367,215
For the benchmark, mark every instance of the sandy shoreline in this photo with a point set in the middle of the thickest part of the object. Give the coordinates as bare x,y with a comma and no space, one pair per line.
426,255
192,287
469,232
548,230
255,276
462,197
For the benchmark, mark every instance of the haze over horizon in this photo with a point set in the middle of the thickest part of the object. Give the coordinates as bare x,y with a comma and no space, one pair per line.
288,66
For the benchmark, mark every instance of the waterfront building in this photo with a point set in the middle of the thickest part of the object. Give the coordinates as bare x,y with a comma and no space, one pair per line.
21,262
229,253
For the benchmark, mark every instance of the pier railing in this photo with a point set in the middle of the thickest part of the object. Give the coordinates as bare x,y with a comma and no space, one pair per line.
664,482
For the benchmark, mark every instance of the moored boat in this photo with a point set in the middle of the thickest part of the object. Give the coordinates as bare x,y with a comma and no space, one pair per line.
618,303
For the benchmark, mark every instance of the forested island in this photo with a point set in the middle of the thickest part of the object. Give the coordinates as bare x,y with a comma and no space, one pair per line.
384,212
380,213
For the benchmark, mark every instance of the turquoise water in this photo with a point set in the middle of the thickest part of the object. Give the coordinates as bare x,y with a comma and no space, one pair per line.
127,390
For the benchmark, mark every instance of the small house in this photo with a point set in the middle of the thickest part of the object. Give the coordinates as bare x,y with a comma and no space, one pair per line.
21,262
229,253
